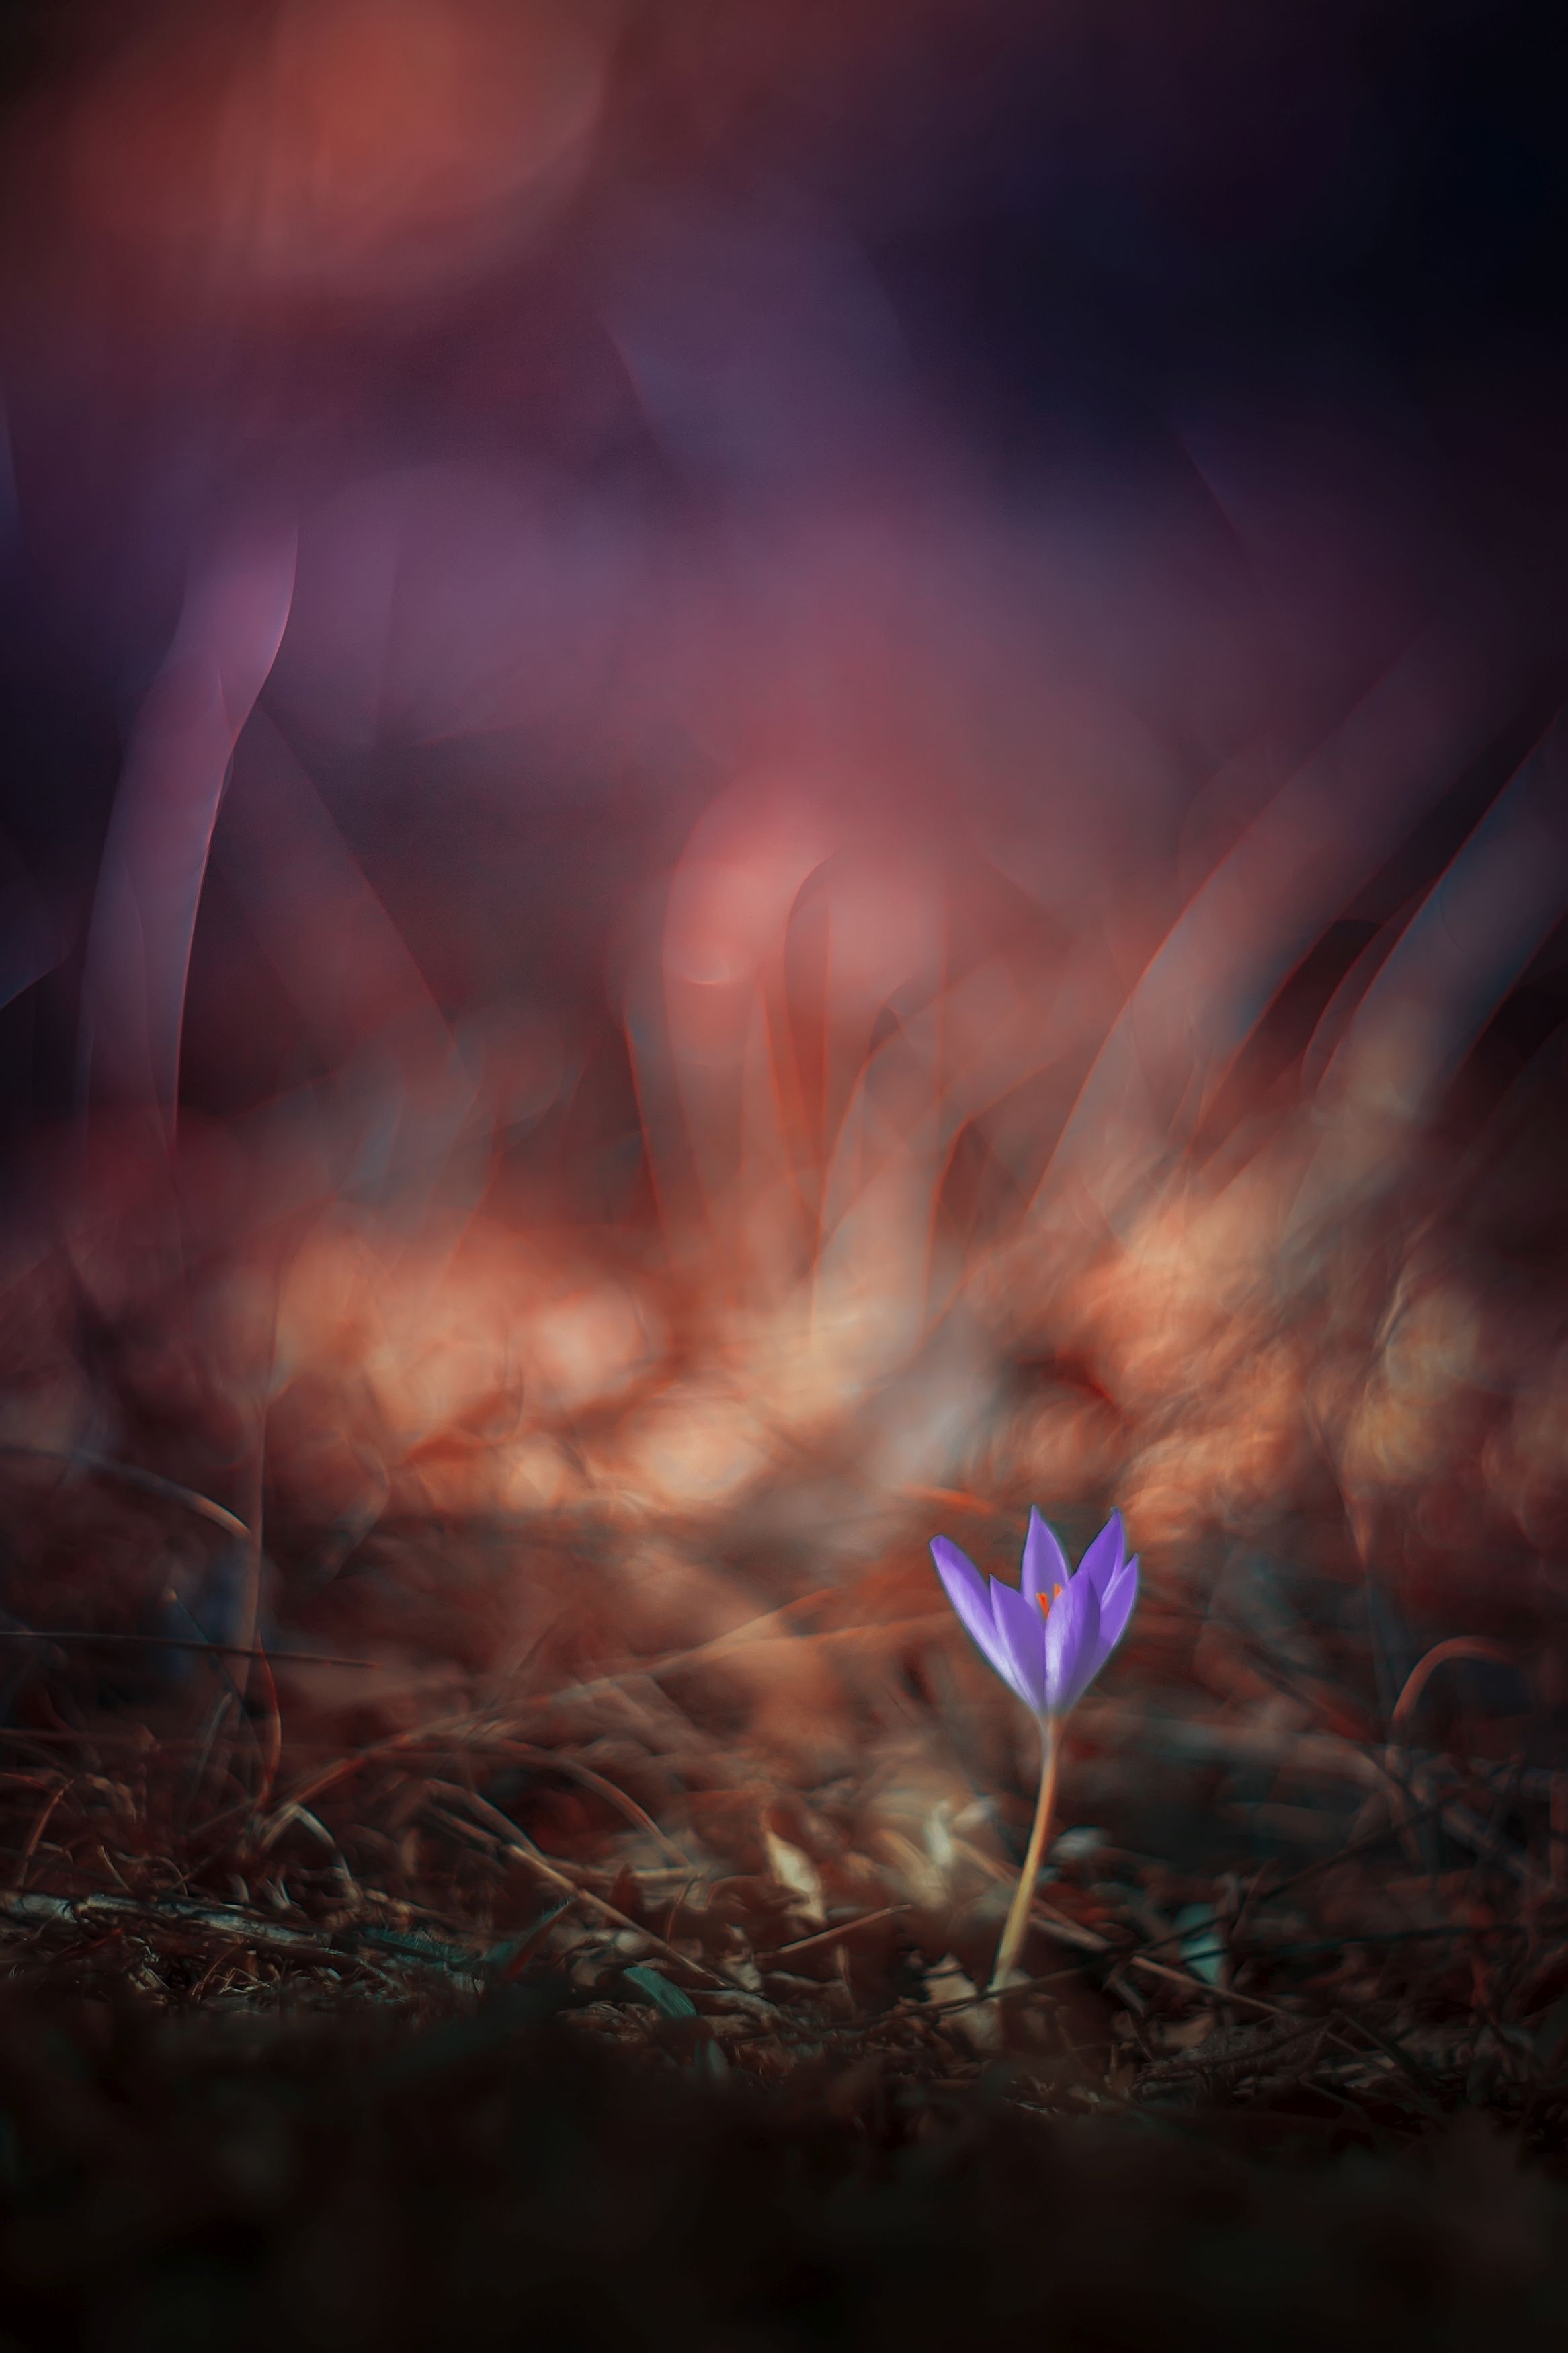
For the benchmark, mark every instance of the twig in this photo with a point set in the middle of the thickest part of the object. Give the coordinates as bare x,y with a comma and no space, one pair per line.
1395,2050
454,1733
1369,1844
549,1760
515,1843
35,1836
747,1637
151,1483
398,1744
1459,1646
185,1642
825,1936
1011,1993
1210,1994
1044,1916
251,1930
1230,2057
1396,1764
1380,1937
272,1748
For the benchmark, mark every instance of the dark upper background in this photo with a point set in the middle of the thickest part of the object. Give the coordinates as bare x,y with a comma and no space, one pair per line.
1110,240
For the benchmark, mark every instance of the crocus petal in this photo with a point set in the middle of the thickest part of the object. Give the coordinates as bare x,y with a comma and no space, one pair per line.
965,1589
1045,1563
1106,1554
1116,1602
1021,1630
1116,1606
1048,1657
1071,1633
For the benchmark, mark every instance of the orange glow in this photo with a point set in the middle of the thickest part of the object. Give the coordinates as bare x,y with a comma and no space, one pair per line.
763,963
333,147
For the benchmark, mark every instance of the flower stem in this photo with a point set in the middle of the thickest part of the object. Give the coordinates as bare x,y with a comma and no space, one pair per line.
1008,1951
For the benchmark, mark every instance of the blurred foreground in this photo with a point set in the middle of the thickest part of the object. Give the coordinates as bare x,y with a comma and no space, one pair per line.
368,2185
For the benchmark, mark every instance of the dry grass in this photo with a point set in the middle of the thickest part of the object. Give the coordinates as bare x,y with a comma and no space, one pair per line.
577,2014
1258,1900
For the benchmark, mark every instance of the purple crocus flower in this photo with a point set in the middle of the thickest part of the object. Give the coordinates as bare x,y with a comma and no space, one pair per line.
1049,1635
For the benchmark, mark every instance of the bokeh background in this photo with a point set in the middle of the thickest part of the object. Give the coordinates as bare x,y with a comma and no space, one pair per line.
775,774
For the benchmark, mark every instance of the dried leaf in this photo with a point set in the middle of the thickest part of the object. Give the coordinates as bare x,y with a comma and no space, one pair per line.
795,1869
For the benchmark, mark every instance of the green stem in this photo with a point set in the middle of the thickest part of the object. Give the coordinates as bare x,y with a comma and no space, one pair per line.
1008,1951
